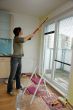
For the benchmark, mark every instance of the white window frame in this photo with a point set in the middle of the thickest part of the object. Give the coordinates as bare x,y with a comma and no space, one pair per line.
56,21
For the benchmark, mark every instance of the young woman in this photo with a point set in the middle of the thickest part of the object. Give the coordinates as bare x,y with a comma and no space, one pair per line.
16,59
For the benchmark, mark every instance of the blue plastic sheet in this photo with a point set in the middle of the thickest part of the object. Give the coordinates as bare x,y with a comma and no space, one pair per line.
5,47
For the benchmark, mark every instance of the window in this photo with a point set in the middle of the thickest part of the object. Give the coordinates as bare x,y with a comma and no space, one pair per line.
5,40
49,46
64,52
58,52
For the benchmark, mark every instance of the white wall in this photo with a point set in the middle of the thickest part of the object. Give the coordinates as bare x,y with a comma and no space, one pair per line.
62,11
31,48
70,91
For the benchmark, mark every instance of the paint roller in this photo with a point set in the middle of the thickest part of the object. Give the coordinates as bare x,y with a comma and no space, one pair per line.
62,100
56,102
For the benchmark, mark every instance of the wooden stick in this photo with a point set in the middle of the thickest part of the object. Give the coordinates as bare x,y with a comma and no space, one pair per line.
40,26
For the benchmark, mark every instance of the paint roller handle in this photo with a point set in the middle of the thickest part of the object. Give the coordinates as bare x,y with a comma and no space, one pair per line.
36,30
39,26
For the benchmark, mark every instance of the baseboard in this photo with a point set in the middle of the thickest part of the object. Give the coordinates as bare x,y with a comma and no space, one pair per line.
27,74
2,80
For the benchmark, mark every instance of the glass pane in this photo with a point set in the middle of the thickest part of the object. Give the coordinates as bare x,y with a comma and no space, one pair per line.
49,45
64,52
50,28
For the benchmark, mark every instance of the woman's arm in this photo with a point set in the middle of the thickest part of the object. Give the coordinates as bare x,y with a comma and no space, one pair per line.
23,39
28,37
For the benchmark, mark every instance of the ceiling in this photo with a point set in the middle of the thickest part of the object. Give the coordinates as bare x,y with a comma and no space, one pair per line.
31,7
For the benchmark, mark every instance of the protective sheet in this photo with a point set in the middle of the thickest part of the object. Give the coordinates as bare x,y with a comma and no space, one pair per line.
5,47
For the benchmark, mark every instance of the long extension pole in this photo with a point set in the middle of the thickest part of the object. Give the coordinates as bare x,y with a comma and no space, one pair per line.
40,26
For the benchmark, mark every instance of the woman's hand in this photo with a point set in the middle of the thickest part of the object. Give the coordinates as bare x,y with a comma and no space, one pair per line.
28,37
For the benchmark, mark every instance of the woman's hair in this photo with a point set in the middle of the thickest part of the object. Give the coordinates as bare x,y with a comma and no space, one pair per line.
17,30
